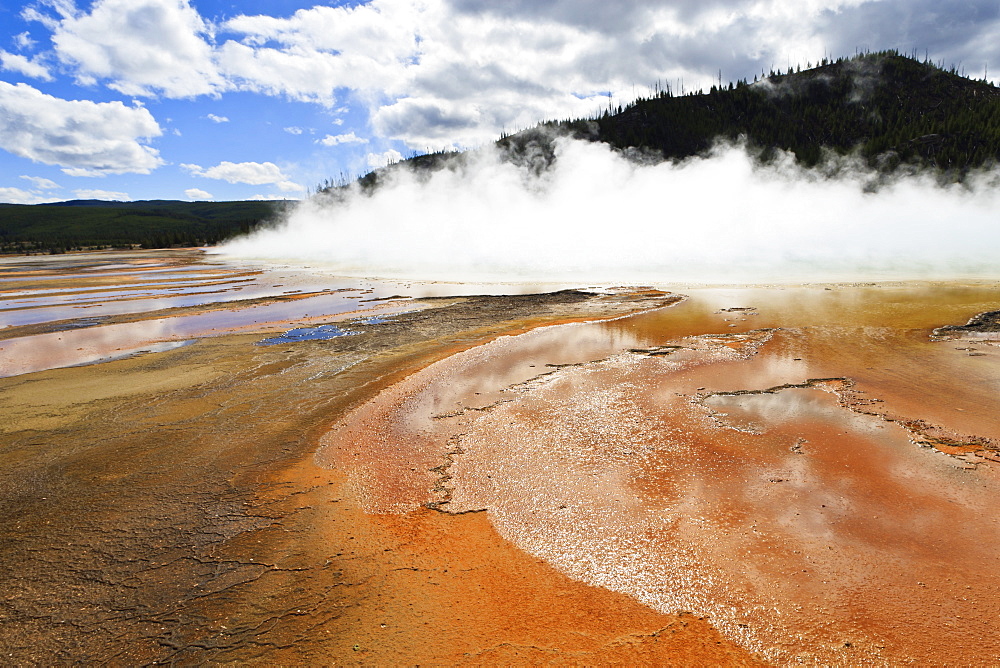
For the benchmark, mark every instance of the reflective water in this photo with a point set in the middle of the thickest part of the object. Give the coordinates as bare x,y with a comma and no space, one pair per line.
81,308
805,466
319,333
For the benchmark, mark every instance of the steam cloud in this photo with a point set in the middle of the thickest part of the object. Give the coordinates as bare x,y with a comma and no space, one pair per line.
597,217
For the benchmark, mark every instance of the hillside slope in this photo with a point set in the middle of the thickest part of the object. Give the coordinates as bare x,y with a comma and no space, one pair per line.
891,110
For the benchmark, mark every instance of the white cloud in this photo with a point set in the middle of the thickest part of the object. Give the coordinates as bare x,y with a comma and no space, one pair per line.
20,196
23,40
376,160
251,173
85,138
317,50
217,119
18,63
334,140
41,183
141,47
440,73
298,76
111,195
270,198
293,130
197,194
33,13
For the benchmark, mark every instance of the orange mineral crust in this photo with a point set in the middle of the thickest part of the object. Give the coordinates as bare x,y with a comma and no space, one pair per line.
809,469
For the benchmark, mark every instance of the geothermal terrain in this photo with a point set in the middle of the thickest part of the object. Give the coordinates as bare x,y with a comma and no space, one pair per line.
212,460
707,379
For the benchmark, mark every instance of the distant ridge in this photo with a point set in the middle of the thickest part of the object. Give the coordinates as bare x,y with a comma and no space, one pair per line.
96,224
130,204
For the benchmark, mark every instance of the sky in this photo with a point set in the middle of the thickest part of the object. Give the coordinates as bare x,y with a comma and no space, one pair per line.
222,100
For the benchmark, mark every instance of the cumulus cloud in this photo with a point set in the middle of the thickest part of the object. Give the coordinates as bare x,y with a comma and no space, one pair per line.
318,50
293,130
455,72
441,73
251,173
952,32
85,138
21,196
303,77
197,194
23,40
217,119
140,47
110,195
37,194
376,160
41,183
334,140
269,198
17,63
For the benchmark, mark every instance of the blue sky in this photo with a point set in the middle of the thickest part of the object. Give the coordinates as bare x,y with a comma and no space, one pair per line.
207,99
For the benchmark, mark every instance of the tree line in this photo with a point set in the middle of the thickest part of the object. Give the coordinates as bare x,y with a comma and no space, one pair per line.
95,225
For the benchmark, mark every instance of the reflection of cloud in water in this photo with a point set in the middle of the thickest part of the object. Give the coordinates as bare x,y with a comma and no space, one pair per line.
538,352
754,412
95,298
785,539
77,346
194,297
83,300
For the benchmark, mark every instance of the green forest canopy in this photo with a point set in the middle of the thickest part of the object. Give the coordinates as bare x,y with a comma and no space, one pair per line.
85,224
891,109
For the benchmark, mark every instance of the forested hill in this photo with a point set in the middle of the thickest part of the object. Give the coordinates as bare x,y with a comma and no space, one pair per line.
890,108
86,224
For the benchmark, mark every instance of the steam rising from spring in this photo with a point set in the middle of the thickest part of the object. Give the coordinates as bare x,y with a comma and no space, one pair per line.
595,216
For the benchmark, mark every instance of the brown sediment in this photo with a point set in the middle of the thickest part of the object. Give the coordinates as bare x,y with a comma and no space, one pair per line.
424,587
166,508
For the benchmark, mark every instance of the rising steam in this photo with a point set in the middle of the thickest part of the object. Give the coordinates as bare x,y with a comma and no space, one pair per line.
595,216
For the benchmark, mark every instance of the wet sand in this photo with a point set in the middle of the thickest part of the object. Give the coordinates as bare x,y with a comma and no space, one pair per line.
166,507
740,476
